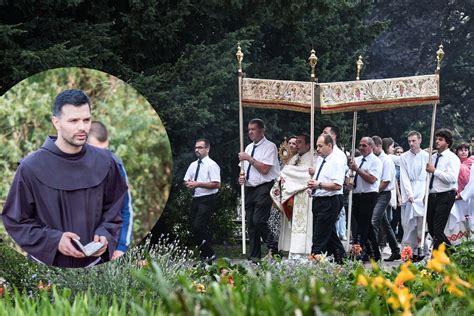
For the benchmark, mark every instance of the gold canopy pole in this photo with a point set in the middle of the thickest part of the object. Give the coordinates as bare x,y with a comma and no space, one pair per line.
240,56
439,57
313,60
359,65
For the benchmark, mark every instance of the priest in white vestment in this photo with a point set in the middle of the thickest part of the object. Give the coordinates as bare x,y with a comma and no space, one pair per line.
291,197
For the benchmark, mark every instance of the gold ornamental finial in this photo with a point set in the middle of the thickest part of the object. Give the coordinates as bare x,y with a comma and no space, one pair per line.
313,60
439,57
240,56
359,64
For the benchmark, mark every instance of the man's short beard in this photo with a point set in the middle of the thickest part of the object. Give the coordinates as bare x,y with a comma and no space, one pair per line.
70,142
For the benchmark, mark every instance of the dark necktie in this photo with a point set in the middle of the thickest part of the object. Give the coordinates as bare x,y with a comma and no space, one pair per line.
248,168
197,172
432,176
357,175
319,171
320,167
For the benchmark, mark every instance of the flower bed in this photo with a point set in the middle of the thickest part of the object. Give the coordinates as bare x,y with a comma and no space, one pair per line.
164,280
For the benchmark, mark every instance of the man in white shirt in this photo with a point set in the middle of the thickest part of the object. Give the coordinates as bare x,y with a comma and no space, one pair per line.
444,170
333,131
412,190
368,171
326,187
261,167
387,184
204,180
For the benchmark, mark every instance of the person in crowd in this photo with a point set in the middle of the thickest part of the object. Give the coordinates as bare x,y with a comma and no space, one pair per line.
261,168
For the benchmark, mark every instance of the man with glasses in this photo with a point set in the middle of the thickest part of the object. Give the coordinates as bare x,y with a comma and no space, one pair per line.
203,179
368,172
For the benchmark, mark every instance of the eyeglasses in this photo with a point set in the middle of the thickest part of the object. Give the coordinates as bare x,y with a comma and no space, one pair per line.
363,145
199,147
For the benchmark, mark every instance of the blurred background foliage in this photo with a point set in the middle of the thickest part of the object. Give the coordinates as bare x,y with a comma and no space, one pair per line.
136,133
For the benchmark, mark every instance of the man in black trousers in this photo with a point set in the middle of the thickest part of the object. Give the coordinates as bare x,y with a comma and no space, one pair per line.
204,180
326,186
261,167
444,170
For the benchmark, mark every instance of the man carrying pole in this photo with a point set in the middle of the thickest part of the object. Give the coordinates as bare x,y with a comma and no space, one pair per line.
260,162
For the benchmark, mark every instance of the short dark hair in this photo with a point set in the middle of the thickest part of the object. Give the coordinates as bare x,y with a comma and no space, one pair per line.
446,134
292,136
73,96
99,131
206,142
472,135
462,146
307,139
257,122
334,130
327,139
377,140
386,143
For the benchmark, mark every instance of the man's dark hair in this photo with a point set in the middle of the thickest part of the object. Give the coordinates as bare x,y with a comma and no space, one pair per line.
73,96
206,142
327,139
386,143
472,135
334,130
377,140
446,134
307,139
463,146
99,131
257,122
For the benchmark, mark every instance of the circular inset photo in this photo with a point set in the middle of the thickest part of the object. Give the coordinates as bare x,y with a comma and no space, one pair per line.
86,167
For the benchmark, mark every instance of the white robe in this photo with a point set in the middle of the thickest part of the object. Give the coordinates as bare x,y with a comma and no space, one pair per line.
468,197
412,184
295,235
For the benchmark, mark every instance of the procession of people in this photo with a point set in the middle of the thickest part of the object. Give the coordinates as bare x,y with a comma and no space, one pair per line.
308,192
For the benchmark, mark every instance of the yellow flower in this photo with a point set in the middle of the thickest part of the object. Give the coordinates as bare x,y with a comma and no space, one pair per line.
401,298
440,256
362,280
454,290
404,275
378,282
199,287
435,265
393,301
460,281
424,273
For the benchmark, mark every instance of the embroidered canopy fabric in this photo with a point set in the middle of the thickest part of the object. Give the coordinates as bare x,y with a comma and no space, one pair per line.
345,96
379,94
276,94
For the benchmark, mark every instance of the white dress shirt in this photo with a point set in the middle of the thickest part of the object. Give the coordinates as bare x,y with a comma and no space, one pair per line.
208,172
331,172
373,165
446,172
266,152
388,171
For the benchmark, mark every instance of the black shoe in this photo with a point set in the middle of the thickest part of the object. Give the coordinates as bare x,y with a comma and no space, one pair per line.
393,257
417,258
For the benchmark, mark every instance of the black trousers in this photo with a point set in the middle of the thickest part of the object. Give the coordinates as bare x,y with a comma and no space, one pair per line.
362,210
439,208
201,210
257,211
325,214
